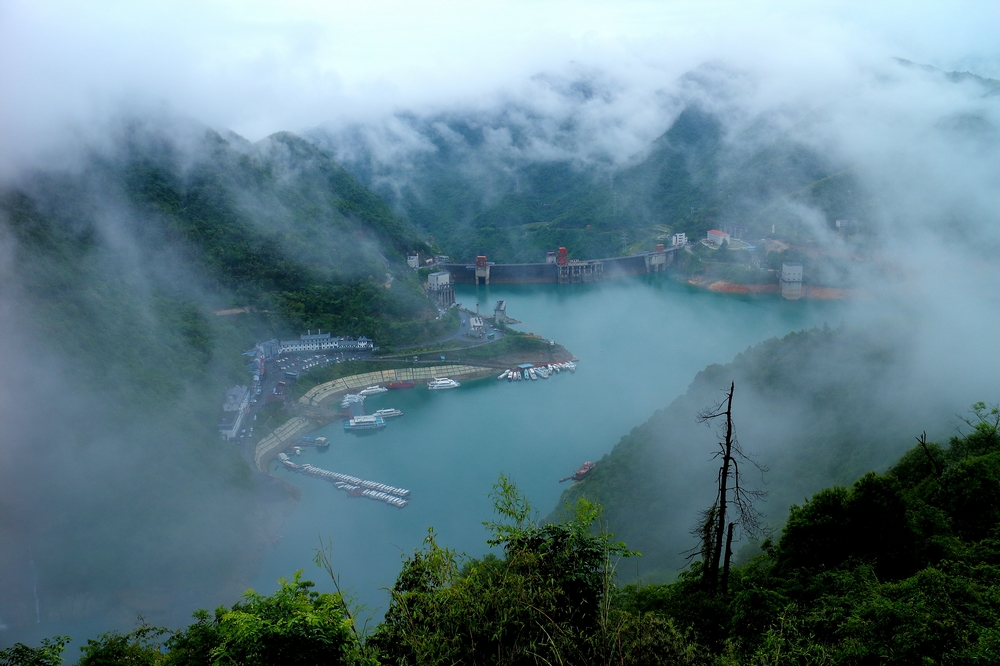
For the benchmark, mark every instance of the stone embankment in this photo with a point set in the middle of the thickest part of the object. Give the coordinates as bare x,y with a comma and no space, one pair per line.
278,440
323,394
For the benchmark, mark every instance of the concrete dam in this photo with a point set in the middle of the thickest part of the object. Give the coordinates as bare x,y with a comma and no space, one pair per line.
563,272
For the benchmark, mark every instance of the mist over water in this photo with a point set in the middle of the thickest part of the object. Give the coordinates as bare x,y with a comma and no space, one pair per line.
491,94
640,342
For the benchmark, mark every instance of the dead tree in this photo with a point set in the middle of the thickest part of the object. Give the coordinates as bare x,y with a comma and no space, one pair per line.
735,504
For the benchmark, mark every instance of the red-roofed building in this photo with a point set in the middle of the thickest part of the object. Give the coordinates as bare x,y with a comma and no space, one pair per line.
715,237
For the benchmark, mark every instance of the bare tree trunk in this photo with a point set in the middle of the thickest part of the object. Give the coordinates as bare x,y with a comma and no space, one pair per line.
720,518
729,558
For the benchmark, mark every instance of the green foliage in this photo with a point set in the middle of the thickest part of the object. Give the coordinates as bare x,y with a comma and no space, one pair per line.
547,600
49,653
141,646
295,625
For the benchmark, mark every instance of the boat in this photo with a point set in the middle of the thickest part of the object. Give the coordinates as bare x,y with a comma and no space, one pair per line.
531,373
503,375
387,412
439,383
364,423
372,390
401,385
580,473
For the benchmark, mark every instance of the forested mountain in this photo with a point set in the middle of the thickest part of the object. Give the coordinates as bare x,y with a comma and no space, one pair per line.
116,365
816,407
508,185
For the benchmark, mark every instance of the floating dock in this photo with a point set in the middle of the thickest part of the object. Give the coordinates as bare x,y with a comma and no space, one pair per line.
358,487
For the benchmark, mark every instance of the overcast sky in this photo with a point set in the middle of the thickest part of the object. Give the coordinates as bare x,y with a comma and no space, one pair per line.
260,67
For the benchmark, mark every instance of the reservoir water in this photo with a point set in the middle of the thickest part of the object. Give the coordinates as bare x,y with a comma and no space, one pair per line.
640,342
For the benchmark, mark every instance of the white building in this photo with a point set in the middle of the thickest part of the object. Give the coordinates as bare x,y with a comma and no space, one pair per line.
791,280
678,240
716,237
310,341
234,408
439,279
791,272
413,260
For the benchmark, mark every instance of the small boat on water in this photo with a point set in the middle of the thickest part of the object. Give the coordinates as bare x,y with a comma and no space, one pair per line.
439,383
580,473
372,390
401,385
503,375
320,442
532,374
364,423
387,412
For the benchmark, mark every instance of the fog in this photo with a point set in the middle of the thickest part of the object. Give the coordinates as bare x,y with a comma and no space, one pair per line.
385,86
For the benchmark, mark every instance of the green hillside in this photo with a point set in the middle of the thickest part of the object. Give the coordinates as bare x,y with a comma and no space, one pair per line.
692,178
117,364
810,406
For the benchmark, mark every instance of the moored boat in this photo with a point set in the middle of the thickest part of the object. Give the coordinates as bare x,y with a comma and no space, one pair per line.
439,383
364,423
372,390
387,412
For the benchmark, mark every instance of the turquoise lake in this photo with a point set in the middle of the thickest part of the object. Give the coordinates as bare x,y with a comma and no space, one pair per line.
640,342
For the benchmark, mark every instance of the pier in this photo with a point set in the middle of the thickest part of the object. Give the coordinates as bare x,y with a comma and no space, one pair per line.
356,487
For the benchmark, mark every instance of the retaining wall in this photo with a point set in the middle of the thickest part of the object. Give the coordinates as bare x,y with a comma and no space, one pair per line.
277,441
324,394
